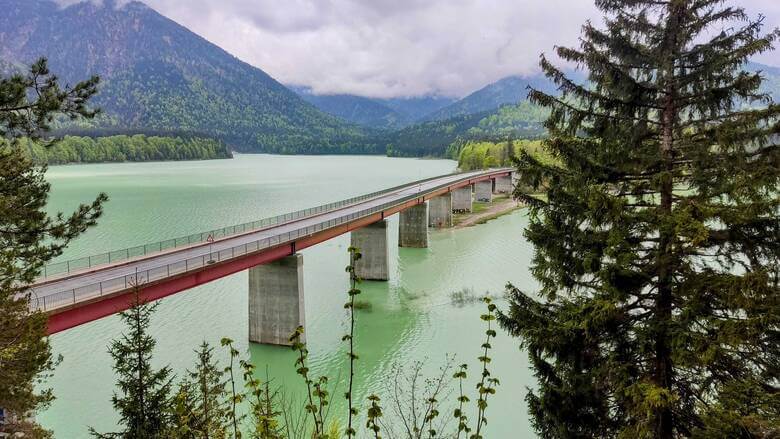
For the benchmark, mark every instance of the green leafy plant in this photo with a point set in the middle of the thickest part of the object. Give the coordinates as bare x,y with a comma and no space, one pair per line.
354,256
316,393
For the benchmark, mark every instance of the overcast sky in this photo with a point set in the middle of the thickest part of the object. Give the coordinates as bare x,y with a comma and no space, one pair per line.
388,48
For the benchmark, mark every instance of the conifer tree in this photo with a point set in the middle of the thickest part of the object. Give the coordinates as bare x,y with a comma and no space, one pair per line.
200,406
143,401
30,237
658,238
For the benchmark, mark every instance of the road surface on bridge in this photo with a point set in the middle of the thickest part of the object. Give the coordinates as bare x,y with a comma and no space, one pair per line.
77,297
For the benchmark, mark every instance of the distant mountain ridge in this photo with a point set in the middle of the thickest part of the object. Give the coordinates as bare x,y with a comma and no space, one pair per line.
417,107
771,82
356,109
158,75
389,113
510,90
394,113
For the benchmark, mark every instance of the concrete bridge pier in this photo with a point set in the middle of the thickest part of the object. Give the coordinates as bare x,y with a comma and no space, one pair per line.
440,211
515,179
503,184
371,240
462,199
276,301
484,191
413,227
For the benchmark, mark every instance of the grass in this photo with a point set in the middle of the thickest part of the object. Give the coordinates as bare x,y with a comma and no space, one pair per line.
497,215
479,207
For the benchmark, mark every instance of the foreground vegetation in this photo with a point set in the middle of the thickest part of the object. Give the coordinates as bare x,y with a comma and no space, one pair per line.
485,154
30,237
230,401
658,312
659,309
123,148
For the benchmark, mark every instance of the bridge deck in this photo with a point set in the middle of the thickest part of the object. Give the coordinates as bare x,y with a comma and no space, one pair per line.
86,295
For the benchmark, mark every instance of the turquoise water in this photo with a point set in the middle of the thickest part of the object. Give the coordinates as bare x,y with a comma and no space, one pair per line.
411,317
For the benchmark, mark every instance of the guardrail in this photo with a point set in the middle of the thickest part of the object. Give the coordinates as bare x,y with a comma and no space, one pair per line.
57,269
120,283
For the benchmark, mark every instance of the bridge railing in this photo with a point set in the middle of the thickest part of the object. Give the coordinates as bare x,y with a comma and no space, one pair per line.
122,283
57,269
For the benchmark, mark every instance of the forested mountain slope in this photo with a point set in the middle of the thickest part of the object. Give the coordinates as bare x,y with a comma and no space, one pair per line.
159,75
360,110
377,113
510,90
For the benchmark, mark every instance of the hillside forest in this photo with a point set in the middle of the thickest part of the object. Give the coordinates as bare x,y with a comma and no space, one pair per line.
124,148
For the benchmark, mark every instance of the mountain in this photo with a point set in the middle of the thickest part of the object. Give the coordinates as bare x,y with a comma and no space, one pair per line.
428,139
771,75
356,109
389,113
434,138
510,90
158,75
417,108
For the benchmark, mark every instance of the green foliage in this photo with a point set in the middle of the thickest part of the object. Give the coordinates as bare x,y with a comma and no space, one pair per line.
123,148
446,137
199,409
316,394
354,256
372,416
20,116
511,90
428,139
235,396
144,394
657,244
483,155
210,403
487,384
523,120
263,401
459,413
263,405
29,238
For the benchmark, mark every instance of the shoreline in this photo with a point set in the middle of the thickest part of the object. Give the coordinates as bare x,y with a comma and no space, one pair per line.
484,212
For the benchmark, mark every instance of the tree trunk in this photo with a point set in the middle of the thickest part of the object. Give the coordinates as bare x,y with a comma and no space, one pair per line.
663,372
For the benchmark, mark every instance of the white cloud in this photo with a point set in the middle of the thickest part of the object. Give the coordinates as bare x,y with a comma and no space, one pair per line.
389,48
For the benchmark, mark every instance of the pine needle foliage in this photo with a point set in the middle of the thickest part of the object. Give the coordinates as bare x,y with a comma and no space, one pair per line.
200,409
30,237
658,239
144,395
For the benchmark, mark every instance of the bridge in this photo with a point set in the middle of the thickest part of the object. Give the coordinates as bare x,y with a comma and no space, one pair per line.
78,291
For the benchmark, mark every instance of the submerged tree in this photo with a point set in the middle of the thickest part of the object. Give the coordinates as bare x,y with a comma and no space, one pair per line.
29,237
658,241
143,401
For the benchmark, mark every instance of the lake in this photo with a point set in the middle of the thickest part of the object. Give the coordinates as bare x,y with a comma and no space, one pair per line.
415,316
